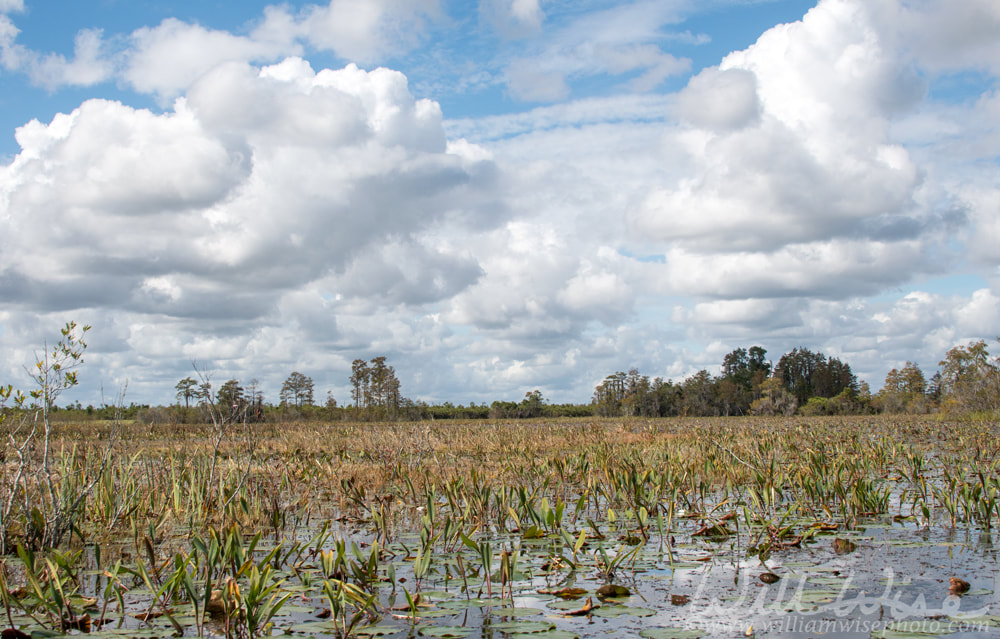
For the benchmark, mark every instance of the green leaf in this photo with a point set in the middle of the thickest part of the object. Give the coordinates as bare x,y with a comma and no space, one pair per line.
671,633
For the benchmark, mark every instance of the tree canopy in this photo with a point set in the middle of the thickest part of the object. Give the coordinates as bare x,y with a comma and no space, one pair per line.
297,390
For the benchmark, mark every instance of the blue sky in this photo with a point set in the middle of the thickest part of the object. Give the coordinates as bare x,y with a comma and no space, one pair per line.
499,196
702,34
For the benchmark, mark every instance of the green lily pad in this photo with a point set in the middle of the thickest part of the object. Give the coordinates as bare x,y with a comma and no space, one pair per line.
462,604
827,581
671,633
437,595
318,627
516,612
523,627
565,604
548,634
377,630
991,621
621,611
444,631
816,596
904,634
681,564
117,633
925,627
288,609
424,613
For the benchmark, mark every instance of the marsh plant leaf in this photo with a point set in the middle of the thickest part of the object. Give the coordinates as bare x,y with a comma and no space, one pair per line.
534,532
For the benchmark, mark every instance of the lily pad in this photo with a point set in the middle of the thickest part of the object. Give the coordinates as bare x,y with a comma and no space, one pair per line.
516,612
923,627
816,596
523,627
288,609
827,581
991,621
377,630
621,611
904,634
671,633
562,604
423,613
444,631
316,627
117,633
548,634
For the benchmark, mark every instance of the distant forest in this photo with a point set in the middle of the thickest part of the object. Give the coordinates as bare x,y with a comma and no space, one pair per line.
802,382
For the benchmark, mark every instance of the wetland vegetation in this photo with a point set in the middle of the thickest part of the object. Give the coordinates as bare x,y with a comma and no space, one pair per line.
505,528
540,528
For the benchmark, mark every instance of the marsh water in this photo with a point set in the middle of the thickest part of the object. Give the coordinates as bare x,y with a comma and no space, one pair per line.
886,577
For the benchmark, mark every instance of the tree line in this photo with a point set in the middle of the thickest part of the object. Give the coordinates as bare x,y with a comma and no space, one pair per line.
806,383
802,382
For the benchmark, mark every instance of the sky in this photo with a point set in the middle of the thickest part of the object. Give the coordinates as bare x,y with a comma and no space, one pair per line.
498,196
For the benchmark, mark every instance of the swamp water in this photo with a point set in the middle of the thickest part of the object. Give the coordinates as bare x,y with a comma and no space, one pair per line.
884,578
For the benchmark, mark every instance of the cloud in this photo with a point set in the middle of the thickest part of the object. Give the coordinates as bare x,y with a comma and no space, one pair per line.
12,56
720,100
368,30
784,195
89,65
527,82
406,273
513,19
804,191
834,269
794,186
117,160
211,202
745,316
943,37
169,58
620,42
